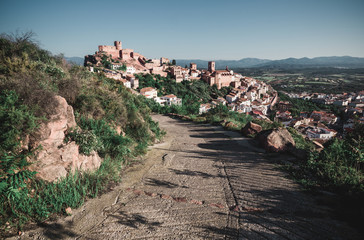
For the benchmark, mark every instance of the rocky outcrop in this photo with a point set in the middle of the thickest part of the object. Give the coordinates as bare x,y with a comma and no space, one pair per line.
251,129
55,159
276,140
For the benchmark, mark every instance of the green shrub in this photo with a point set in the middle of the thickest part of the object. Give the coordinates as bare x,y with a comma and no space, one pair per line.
85,139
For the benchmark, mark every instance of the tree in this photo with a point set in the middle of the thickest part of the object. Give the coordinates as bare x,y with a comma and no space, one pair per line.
174,62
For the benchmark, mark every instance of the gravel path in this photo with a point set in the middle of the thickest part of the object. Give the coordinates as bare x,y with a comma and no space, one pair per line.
201,183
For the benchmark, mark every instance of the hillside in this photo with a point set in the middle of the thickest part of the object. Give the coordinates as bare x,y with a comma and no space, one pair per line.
48,107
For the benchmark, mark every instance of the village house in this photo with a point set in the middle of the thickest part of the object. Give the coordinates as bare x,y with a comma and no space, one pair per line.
126,83
320,133
204,108
149,92
133,81
284,106
172,99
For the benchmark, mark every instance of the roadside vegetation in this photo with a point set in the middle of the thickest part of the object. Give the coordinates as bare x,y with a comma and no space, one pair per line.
30,77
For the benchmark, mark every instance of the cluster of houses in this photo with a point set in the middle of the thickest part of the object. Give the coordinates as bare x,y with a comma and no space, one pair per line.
313,125
352,104
220,78
250,97
344,99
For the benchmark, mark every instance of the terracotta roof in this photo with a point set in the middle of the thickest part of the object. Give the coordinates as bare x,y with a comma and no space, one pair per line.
170,96
146,89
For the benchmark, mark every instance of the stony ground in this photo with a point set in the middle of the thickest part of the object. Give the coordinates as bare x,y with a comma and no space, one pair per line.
201,183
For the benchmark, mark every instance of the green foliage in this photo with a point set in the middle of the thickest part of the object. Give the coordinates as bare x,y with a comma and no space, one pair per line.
85,139
16,121
339,166
108,142
300,105
301,142
105,62
29,79
122,68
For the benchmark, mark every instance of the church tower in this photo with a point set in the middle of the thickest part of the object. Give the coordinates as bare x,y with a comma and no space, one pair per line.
211,67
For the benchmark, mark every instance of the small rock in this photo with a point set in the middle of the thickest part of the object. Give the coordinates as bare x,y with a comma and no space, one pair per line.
68,211
250,129
197,202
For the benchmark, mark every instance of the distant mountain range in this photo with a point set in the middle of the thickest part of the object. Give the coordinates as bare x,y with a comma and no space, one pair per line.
289,63
75,60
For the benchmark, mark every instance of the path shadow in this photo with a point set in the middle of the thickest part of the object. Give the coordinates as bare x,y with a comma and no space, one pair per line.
271,206
58,231
161,183
134,220
194,173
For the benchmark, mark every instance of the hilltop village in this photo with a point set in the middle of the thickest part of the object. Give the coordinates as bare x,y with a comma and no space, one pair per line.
247,95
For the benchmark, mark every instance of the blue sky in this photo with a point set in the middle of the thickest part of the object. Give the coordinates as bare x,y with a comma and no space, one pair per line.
209,29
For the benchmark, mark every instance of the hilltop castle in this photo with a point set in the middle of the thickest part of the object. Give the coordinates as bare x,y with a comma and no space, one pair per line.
119,56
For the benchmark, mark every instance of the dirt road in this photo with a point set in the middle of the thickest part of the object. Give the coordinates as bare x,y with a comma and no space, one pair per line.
201,183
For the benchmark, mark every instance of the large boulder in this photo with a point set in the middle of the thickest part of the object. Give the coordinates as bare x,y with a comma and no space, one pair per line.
55,159
251,129
276,140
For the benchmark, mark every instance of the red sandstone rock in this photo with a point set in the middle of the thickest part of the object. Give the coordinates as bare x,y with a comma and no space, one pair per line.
180,199
197,202
56,159
166,197
276,140
250,129
218,205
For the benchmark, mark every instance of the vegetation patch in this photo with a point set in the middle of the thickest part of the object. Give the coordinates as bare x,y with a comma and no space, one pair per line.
111,121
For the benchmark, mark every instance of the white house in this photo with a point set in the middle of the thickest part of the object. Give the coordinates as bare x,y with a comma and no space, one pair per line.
320,133
172,99
126,83
130,70
149,92
232,97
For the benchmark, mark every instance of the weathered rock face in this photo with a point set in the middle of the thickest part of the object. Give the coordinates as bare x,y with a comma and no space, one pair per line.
276,140
250,129
56,159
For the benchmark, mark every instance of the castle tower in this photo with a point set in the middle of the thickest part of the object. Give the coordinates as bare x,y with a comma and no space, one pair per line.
211,67
118,45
